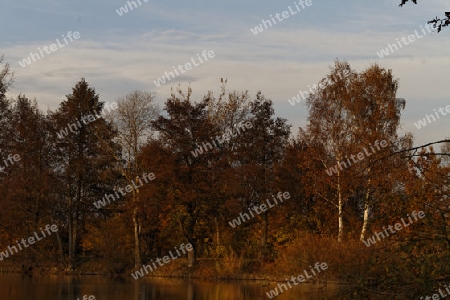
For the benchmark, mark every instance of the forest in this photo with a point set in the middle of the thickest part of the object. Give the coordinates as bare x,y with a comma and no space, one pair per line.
107,187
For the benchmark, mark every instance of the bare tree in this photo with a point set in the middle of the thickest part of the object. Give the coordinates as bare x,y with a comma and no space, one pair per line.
132,119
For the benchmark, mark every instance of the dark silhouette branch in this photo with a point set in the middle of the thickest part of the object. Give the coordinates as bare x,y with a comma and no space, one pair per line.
436,22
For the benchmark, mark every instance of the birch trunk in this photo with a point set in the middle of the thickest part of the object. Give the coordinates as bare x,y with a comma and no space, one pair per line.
366,212
340,206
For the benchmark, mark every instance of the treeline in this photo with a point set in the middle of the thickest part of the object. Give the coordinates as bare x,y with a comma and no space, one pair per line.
194,197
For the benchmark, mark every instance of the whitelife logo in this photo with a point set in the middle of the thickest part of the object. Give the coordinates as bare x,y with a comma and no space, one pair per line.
423,122
225,137
31,241
162,80
128,189
296,99
274,293
124,9
15,157
75,126
411,38
398,227
53,47
360,156
437,296
85,297
284,15
262,207
165,259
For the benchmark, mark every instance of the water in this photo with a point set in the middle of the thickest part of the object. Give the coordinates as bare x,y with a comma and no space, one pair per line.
17,287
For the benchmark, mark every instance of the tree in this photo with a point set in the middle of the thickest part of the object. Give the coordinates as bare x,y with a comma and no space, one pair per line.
228,111
186,127
259,151
330,125
31,195
376,112
132,119
350,112
31,142
6,79
85,167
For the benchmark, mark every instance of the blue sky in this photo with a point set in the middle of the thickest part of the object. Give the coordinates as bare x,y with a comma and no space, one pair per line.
119,54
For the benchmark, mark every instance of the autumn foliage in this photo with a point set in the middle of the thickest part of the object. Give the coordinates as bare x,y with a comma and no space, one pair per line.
193,198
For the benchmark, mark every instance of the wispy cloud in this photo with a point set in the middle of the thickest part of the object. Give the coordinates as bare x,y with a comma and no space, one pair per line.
118,54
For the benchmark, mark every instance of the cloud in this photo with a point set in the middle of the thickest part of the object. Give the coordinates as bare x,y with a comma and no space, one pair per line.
137,48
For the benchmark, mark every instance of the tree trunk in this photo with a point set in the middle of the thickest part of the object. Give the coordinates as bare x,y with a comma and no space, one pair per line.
190,236
265,229
340,207
366,212
60,246
365,222
191,257
74,241
69,267
217,231
218,247
137,244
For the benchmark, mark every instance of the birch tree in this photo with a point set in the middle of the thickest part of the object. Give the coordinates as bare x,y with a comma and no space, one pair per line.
351,112
330,125
376,112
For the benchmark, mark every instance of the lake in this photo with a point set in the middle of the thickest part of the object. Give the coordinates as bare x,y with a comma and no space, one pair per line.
18,287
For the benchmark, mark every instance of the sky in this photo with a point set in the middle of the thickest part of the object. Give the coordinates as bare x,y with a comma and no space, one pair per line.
118,54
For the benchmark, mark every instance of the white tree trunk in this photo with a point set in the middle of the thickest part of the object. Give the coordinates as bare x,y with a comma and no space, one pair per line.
366,212
341,219
366,221
340,207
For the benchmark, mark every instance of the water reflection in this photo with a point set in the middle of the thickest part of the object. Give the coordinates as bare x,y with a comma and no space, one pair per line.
17,287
